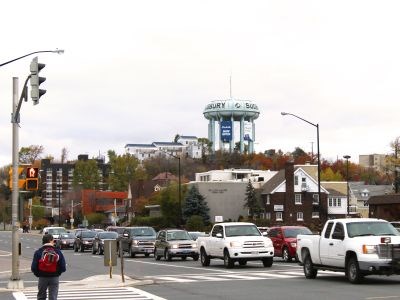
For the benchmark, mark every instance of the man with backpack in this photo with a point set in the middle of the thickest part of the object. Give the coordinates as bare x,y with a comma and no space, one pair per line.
48,263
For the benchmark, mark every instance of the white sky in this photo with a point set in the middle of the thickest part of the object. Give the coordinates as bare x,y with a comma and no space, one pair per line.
143,71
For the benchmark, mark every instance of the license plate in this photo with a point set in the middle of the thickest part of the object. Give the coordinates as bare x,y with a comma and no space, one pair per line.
149,250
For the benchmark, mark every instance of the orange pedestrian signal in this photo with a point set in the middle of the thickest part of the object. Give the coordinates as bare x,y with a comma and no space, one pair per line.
32,182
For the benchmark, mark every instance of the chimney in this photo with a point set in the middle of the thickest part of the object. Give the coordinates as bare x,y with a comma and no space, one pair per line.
289,176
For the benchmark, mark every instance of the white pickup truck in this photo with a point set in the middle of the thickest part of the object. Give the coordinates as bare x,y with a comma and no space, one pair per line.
358,247
235,242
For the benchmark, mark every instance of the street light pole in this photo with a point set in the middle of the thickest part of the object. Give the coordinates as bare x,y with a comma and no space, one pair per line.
59,189
318,154
58,51
347,181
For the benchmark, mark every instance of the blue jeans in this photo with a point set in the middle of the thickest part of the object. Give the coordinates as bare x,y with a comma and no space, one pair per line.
50,283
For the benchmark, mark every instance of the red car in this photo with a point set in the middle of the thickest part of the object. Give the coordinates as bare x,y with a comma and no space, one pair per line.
284,239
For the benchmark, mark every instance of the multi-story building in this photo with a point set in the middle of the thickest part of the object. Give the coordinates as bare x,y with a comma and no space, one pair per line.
185,145
360,193
57,178
225,190
291,197
375,161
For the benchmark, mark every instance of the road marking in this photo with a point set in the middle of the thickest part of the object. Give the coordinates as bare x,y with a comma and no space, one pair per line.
175,266
98,293
384,297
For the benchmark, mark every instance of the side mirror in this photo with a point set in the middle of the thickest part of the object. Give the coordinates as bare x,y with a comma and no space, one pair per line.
219,235
265,233
125,235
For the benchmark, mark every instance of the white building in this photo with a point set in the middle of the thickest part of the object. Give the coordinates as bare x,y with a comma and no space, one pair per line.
225,190
193,149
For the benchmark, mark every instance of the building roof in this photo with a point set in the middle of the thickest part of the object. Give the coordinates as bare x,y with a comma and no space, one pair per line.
140,145
165,176
338,188
335,193
385,199
168,144
187,137
357,189
274,182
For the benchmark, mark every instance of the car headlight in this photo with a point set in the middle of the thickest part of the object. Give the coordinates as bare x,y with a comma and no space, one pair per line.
174,246
86,242
369,249
235,244
194,245
293,244
135,243
64,242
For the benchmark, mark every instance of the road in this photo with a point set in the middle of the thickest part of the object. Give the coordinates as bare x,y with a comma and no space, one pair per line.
179,279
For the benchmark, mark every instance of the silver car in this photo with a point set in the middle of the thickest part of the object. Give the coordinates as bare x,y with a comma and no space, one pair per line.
175,243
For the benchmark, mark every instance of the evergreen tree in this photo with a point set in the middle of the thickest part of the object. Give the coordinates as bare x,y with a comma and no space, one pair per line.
251,201
195,204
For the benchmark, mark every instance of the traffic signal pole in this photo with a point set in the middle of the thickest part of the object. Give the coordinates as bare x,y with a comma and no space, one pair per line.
15,280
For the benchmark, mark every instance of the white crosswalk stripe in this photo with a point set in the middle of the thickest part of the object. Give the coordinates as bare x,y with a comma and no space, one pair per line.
93,294
259,275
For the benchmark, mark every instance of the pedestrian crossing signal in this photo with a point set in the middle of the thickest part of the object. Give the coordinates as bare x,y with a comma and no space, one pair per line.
32,179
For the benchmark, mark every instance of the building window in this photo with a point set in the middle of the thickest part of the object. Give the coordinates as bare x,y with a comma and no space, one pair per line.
330,202
297,199
315,199
279,216
300,216
339,202
268,200
296,180
315,215
268,215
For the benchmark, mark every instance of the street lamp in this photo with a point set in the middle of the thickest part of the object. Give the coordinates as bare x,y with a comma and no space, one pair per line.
318,158
15,279
58,51
346,157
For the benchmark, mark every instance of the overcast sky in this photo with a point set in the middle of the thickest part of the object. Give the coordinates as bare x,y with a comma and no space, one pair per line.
143,71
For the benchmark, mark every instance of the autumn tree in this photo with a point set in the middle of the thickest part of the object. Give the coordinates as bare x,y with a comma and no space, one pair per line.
122,170
329,175
64,155
28,155
393,163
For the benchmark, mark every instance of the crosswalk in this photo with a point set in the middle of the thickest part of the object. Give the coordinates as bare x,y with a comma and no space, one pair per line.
93,294
250,275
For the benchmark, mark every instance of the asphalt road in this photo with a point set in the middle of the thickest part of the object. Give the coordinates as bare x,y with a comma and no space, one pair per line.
189,280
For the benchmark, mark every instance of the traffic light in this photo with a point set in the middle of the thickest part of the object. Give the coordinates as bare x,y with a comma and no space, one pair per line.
32,179
21,182
36,80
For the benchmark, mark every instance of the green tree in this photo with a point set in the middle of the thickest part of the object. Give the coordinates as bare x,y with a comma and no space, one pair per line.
195,204
329,175
95,218
169,204
195,223
86,174
123,169
251,201
38,210
28,155
393,163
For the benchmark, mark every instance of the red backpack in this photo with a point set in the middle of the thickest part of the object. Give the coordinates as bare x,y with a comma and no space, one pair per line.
49,260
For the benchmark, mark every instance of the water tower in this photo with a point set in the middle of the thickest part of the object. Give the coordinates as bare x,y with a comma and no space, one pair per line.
225,113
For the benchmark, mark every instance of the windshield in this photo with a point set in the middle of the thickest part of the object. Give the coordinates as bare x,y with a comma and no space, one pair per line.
242,230
67,236
88,234
370,228
108,235
56,230
178,235
293,232
145,231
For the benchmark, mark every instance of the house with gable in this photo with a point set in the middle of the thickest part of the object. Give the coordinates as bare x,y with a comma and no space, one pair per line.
291,197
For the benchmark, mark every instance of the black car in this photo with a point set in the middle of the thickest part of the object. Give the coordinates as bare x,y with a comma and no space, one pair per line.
98,242
65,240
84,240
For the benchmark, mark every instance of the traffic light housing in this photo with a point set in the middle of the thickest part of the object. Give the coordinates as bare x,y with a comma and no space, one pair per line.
36,80
32,179
21,182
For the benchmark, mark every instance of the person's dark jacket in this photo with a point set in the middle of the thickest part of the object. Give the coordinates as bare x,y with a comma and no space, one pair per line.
61,266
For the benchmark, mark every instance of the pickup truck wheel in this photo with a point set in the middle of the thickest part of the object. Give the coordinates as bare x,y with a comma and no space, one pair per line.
228,262
285,255
131,254
308,267
204,258
146,254
267,262
353,272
